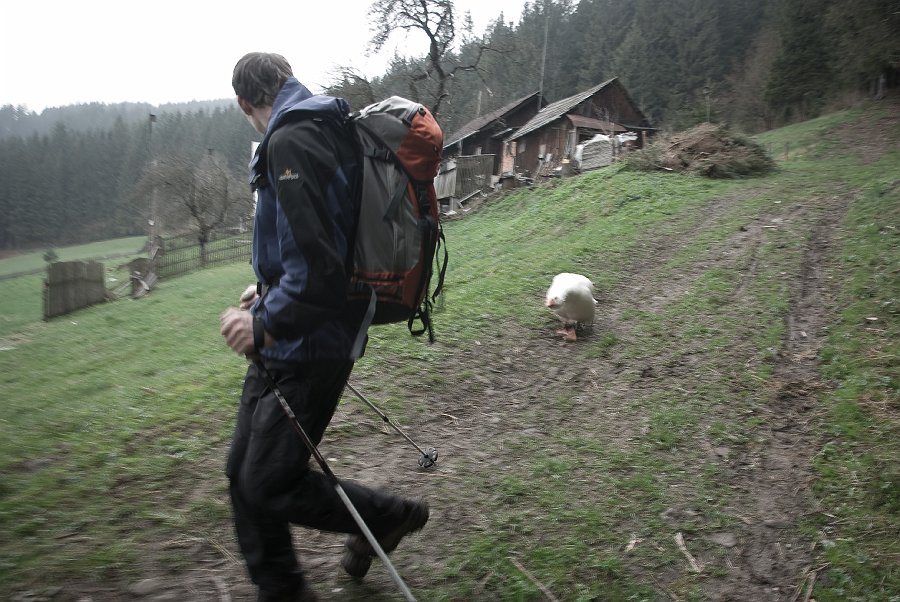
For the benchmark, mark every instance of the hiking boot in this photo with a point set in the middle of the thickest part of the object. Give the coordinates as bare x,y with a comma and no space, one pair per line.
358,552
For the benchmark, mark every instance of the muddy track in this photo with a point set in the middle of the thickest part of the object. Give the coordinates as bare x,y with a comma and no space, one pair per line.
770,563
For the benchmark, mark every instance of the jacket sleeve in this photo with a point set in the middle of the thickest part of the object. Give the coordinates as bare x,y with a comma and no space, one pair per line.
309,172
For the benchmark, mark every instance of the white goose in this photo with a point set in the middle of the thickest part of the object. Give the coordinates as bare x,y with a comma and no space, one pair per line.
571,297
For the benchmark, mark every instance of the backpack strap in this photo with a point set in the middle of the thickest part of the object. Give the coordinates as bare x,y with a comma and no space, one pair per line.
382,153
423,312
359,343
441,244
399,193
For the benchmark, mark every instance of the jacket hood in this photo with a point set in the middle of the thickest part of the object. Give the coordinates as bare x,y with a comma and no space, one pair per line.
294,99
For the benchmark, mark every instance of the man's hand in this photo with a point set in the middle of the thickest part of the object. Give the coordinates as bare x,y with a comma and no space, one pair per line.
248,297
237,328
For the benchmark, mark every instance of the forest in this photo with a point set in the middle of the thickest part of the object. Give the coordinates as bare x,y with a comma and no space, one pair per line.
80,173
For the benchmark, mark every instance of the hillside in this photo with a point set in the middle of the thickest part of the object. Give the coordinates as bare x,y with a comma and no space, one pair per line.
726,430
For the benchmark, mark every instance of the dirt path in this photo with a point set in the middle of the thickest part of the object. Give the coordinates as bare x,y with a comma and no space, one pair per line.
775,476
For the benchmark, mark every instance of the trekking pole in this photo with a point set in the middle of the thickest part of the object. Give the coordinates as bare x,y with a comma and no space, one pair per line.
429,456
334,480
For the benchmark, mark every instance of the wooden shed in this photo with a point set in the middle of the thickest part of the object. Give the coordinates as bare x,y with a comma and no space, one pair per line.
554,132
485,135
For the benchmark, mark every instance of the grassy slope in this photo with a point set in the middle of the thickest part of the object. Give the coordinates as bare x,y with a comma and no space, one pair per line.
129,401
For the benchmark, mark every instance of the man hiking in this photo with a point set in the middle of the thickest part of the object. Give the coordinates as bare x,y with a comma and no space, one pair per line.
301,326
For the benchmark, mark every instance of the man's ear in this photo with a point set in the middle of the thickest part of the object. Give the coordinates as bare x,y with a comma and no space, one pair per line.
246,107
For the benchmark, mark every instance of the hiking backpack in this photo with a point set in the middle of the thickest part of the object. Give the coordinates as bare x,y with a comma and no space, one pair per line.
399,233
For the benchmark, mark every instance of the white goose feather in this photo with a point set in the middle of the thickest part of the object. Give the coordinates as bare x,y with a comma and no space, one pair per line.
571,297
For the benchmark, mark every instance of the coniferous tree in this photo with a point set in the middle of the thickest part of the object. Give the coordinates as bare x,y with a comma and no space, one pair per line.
744,102
530,63
58,213
15,121
866,34
699,58
647,60
15,194
563,56
801,73
738,27
508,76
599,28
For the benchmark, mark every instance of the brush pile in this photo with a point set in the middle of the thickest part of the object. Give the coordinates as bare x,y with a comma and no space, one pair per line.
708,150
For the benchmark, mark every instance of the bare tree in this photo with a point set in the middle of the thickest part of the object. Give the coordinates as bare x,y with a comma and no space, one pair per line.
199,194
353,86
434,18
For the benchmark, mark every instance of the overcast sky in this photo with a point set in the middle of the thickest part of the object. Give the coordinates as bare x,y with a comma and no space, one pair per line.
65,52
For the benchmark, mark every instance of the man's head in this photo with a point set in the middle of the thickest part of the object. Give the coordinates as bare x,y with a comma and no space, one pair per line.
257,79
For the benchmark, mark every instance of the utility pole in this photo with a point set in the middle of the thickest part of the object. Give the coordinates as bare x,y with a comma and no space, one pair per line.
151,220
544,53
706,92
152,248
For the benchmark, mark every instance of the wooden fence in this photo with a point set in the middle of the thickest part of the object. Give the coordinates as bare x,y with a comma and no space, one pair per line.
182,254
464,177
71,285
474,174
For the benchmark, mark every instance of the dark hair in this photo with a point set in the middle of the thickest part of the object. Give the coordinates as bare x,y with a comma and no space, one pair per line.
258,77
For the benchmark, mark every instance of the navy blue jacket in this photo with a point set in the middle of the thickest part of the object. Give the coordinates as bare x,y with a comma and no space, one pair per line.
304,171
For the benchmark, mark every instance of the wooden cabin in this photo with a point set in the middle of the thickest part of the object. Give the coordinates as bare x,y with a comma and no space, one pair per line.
485,135
554,132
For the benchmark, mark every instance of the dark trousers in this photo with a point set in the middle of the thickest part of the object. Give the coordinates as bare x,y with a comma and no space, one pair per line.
272,483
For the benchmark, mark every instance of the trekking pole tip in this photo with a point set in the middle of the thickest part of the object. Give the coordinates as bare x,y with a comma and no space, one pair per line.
429,458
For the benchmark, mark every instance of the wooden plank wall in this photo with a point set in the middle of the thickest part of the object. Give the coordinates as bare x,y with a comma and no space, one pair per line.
71,285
